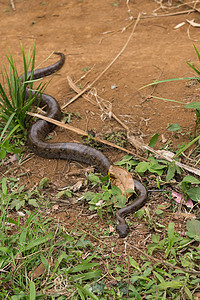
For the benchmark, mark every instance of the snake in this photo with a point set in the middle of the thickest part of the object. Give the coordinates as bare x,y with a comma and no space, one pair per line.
73,151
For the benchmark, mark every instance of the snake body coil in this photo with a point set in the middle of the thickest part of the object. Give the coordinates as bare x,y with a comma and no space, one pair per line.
73,151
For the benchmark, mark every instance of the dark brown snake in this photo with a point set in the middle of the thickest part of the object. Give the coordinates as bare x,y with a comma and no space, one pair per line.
74,151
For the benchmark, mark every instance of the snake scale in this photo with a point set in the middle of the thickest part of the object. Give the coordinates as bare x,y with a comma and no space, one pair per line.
73,151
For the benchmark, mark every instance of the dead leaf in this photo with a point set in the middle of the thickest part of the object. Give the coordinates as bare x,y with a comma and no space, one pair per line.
122,179
40,270
37,272
193,23
77,186
12,158
179,198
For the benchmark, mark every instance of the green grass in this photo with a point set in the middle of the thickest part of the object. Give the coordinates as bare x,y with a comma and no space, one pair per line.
84,264
15,104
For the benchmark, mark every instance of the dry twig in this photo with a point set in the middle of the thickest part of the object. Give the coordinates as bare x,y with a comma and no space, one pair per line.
12,4
106,69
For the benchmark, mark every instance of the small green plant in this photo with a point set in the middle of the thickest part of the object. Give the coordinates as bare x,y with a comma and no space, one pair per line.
15,194
190,187
13,107
86,69
104,202
119,138
115,3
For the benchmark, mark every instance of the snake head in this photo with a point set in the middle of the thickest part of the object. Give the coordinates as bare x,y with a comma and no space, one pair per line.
122,229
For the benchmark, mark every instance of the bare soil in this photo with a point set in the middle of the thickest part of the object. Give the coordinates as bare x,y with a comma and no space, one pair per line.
90,34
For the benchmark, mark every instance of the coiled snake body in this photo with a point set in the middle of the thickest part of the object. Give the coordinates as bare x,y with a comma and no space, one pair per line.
73,151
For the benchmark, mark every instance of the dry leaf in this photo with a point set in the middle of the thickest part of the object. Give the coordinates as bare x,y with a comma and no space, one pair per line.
121,178
193,23
179,198
37,272
77,186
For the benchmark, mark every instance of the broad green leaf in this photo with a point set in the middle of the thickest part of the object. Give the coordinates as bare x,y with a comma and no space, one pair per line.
171,284
174,127
22,237
4,186
193,229
32,291
4,249
39,241
153,140
94,275
83,267
94,178
87,292
191,179
171,171
33,202
2,153
142,167
194,105
155,238
159,277
171,238
194,193
9,220
134,264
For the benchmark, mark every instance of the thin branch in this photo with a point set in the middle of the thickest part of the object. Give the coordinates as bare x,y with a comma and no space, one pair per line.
12,4
104,71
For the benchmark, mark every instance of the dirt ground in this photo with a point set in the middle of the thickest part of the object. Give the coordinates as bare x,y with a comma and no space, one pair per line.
90,34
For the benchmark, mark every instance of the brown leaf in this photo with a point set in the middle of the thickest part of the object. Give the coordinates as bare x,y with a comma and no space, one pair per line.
121,178
37,272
